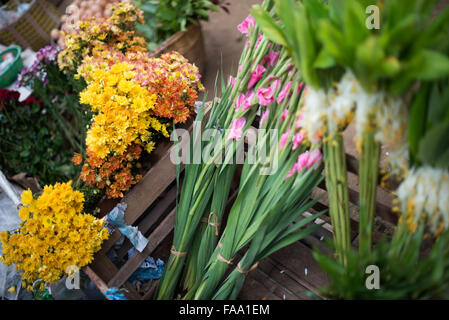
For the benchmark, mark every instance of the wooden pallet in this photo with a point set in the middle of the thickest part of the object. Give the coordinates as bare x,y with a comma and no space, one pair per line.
290,273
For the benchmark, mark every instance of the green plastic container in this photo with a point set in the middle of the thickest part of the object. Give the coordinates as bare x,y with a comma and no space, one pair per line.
10,74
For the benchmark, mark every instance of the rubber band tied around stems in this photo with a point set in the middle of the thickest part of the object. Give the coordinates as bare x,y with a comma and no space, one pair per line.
177,254
220,258
212,221
254,266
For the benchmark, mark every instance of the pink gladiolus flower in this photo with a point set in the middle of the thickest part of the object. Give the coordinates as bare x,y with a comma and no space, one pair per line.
259,39
299,87
275,85
248,100
284,114
299,120
284,138
297,139
231,81
264,117
236,129
244,26
271,58
291,172
314,159
284,92
265,96
256,76
303,159
240,101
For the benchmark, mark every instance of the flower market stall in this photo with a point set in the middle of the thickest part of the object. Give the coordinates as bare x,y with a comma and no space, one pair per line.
320,159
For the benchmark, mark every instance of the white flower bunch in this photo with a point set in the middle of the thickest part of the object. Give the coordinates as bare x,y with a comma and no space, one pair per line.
424,197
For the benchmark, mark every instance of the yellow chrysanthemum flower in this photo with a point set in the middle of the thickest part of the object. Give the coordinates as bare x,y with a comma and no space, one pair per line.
55,234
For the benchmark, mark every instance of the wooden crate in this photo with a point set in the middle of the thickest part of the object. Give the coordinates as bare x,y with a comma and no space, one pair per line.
290,273
189,43
32,29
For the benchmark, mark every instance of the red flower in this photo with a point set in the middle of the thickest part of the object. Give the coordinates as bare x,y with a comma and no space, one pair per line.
8,95
31,100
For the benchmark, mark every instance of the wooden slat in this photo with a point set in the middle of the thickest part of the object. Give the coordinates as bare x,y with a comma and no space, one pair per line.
154,183
101,285
103,267
151,218
156,213
255,290
149,294
274,282
157,179
136,260
108,244
294,260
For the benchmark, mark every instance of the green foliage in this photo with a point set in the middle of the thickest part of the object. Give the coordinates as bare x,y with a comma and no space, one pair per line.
163,18
326,36
403,273
39,294
429,125
31,142
92,197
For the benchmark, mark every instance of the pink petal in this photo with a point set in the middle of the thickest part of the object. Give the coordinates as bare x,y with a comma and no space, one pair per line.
246,24
315,158
284,114
276,83
248,100
303,159
297,139
284,138
240,101
264,117
256,75
235,132
292,171
284,92
265,96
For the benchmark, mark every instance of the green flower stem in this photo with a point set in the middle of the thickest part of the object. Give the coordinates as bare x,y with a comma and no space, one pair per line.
368,173
172,273
337,187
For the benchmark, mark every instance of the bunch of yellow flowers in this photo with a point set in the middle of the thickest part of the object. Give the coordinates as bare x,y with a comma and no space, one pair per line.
122,112
54,235
117,31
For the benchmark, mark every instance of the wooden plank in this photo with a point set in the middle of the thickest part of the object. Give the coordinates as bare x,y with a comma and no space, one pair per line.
154,183
101,285
136,260
156,213
277,282
110,242
105,269
297,262
149,221
157,179
254,290
149,294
